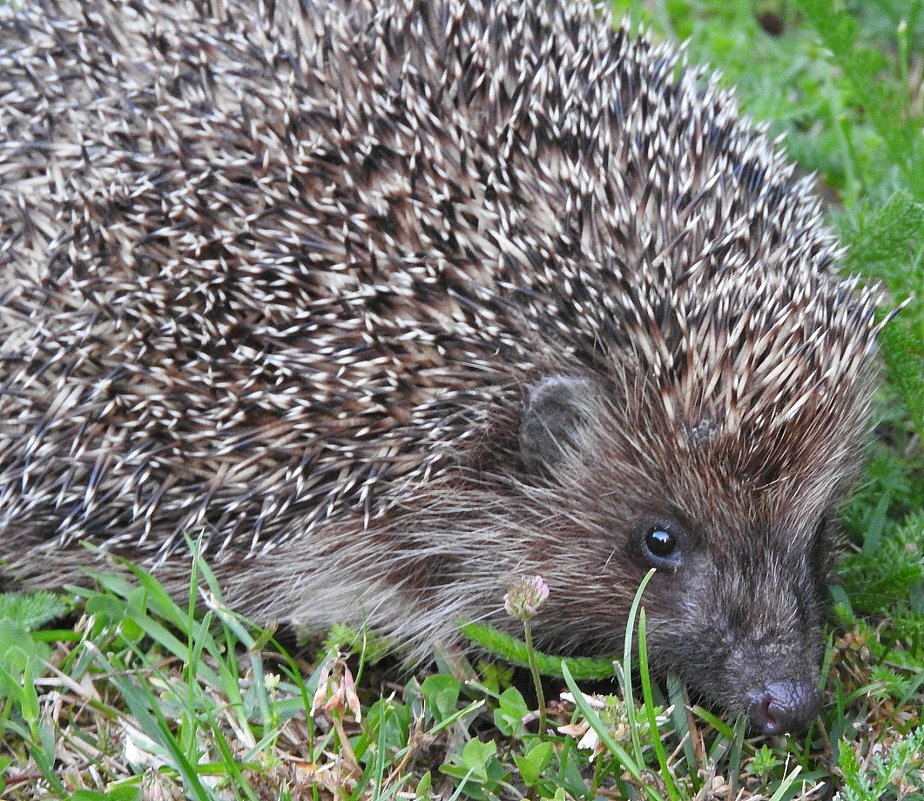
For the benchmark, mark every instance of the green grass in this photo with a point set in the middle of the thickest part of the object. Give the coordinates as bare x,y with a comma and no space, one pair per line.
145,698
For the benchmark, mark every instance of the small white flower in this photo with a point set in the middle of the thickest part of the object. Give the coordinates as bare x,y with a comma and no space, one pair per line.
525,596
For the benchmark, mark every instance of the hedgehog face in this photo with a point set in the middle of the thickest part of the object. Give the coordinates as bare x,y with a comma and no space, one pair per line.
740,544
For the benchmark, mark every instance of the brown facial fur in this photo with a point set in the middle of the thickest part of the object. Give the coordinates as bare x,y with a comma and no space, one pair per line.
302,282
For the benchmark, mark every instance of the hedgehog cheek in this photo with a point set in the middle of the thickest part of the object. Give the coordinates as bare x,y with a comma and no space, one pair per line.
555,417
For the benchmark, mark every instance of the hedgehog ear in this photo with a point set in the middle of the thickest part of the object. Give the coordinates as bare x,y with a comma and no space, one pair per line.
555,413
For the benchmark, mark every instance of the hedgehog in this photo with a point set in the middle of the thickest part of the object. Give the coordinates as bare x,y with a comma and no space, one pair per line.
389,303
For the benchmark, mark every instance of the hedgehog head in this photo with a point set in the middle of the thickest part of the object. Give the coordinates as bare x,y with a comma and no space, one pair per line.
717,449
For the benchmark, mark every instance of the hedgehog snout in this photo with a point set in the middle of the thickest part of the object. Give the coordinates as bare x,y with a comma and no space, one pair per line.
746,636
784,706
774,684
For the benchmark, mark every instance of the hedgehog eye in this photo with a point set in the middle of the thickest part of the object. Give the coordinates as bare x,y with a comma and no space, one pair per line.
660,542
660,547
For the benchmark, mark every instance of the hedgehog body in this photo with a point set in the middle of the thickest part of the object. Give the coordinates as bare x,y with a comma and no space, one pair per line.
394,302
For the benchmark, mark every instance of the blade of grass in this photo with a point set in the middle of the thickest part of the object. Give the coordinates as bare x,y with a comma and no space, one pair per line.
786,784
645,678
626,675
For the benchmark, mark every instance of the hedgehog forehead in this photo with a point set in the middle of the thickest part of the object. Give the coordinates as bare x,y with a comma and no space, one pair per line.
724,489
768,475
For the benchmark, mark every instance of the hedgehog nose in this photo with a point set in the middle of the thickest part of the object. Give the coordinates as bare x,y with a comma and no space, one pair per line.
784,706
